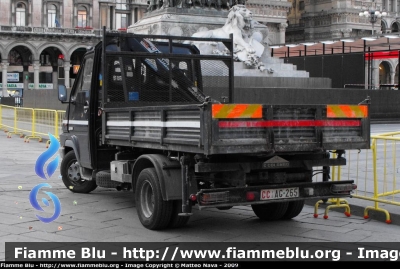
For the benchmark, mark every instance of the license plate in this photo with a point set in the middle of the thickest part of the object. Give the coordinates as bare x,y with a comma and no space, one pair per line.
271,194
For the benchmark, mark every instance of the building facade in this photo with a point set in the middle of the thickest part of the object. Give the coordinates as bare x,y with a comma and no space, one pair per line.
326,20
43,41
310,20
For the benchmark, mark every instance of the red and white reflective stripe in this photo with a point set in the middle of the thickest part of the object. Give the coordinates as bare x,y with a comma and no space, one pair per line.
346,111
289,123
232,111
183,124
75,122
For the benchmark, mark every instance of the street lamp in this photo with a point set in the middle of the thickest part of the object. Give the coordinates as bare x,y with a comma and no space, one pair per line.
372,15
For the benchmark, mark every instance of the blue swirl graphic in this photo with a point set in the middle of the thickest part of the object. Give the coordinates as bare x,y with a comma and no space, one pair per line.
45,156
35,204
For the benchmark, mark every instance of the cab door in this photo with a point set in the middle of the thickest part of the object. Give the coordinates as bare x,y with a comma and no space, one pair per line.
79,109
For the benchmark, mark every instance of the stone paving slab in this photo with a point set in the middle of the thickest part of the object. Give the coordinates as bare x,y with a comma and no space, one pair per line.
110,216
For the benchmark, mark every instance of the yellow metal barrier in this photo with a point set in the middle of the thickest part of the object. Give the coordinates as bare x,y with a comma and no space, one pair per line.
16,120
7,118
385,174
59,115
31,123
333,202
44,122
375,172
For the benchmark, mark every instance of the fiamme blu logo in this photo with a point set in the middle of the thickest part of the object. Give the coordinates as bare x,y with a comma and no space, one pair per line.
40,171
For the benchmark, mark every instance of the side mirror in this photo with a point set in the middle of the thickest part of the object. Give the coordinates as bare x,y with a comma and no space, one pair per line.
62,93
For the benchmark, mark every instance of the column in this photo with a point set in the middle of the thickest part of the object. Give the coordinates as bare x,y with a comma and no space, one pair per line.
132,16
30,8
375,74
282,30
25,74
103,16
67,66
61,16
108,18
75,17
113,23
55,77
392,75
4,65
90,16
36,67
366,81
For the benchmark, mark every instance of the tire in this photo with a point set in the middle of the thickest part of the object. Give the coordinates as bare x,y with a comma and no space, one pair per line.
272,211
154,213
176,220
294,209
71,175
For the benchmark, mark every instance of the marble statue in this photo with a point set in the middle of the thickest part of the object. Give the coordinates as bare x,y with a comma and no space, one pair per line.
247,47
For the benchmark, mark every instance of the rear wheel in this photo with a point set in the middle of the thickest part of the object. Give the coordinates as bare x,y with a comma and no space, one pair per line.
154,213
272,211
70,172
294,209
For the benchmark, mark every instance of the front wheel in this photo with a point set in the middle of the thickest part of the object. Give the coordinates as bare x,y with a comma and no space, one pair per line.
154,213
71,176
272,211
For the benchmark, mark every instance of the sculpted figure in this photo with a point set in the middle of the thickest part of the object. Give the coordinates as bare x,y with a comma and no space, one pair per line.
152,5
168,3
246,48
239,19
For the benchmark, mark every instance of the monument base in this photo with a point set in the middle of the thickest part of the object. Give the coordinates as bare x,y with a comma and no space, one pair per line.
187,21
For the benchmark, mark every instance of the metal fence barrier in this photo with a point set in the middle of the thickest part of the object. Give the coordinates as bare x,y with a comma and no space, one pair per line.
376,173
384,186
30,123
333,202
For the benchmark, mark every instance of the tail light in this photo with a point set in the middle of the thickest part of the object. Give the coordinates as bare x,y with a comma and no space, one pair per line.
193,197
250,196
214,197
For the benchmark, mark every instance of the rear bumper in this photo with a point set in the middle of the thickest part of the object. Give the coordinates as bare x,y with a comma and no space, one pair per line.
311,190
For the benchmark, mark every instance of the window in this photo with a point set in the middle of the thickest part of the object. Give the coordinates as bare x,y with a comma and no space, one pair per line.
122,20
122,14
52,17
301,5
85,78
122,5
82,17
20,14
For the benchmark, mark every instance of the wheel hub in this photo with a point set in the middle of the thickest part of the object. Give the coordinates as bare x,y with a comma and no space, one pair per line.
147,199
74,173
